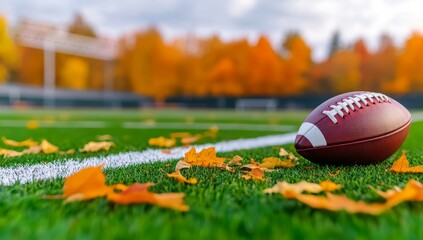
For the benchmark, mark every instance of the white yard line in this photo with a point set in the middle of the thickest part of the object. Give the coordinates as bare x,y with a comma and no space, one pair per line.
222,126
30,173
149,125
417,117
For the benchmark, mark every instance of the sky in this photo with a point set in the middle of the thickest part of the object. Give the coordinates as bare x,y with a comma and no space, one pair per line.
315,20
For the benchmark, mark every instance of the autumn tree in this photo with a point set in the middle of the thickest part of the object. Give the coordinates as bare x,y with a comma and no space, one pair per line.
153,66
297,65
265,70
409,75
344,73
8,52
74,74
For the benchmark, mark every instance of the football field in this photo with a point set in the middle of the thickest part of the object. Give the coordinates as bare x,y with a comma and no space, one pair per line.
222,205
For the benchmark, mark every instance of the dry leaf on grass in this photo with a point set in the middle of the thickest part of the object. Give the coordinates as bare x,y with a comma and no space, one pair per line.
7,153
190,140
97,146
289,190
255,174
138,193
178,176
181,165
85,184
273,162
206,157
26,143
162,142
403,166
48,148
235,160
340,202
413,191
283,152
180,135
32,124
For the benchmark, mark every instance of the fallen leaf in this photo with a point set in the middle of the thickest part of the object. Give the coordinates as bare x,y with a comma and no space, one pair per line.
7,153
48,148
190,140
97,146
273,162
85,184
309,167
180,135
292,157
289,190
138,193
13,143
413,191
162,142
235,160
226,167
253,166
181,165
32,124
206,157
70,151
333,174
340,202
255,174
178,176
283,152
33,150
105,137
402,165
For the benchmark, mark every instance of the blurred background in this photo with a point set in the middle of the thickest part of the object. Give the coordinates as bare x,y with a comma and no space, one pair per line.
209,54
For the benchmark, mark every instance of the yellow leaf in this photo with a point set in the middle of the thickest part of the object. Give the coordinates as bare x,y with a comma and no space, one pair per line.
178,176
171,200
48,148
9,153
206,157
97,146
180,135
272,162
162,142
25,143
32,124
334,173
289,190
340,202
253,166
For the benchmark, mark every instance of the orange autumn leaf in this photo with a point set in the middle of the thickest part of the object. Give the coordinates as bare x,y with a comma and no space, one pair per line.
162,142
206,157
178,176
7,153
329,186
402,165
138,193
135,193
255,174
340,202
413,191
13,143
180,135
97,146
273,162
85,184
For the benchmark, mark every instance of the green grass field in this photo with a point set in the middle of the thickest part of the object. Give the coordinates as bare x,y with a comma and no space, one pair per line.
222,204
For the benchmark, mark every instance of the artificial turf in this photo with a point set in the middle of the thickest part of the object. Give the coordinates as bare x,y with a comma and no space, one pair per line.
222,204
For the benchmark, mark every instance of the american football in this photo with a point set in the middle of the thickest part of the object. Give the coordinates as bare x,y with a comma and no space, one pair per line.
353,128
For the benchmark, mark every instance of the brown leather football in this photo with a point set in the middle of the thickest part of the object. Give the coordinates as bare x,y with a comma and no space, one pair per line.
353,128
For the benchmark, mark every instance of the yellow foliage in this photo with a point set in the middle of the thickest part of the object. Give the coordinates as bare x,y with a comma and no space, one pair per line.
74,74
